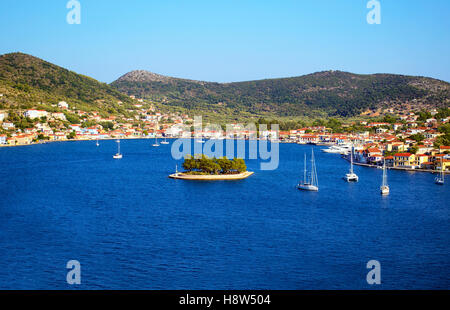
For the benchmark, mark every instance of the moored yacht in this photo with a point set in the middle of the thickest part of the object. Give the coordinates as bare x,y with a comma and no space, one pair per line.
384,185
310,181
351,176
165,141
118,155
343,149
440,179
156,142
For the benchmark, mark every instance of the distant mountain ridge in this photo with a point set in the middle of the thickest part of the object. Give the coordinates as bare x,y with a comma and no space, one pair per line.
330,92
147,76
26,81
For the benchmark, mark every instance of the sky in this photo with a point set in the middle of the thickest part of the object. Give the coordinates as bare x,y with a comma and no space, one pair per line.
231,40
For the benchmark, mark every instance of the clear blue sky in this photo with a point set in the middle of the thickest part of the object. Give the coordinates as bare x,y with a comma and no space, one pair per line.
231,40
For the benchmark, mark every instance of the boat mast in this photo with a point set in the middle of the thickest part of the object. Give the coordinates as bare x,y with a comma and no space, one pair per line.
351,161
313,170
118,146
304,176
384,173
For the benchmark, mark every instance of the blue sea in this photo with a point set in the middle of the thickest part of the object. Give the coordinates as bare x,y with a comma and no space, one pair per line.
131,227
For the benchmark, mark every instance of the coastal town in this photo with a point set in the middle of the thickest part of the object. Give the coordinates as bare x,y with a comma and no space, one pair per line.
410,140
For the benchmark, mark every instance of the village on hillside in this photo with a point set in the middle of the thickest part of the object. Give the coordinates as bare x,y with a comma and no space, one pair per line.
409,140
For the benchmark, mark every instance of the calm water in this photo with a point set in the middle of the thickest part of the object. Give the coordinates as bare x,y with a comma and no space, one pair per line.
131,227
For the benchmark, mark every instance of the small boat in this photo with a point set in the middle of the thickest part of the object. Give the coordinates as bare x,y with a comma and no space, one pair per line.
165,141
351,176
200,141
440,180
384,186
156,142
118,155
310,181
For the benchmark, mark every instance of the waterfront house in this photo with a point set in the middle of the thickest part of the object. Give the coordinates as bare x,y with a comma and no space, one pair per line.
309,139
420,160
57,136
373,155
3,139
404,160
428,165
389,161
20,140
445,163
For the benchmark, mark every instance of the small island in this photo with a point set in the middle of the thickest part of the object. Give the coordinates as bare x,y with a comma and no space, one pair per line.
211,169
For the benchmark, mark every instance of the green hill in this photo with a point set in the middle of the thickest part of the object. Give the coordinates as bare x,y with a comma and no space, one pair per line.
26,81
331,93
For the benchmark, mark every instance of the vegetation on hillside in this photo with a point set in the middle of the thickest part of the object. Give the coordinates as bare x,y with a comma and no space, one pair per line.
332,93
27,82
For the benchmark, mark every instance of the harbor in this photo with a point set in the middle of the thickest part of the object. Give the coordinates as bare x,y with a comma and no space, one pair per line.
260,231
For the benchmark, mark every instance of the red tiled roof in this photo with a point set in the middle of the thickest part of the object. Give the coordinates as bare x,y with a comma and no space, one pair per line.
403,155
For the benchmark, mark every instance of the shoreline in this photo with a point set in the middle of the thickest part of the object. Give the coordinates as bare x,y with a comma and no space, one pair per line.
193,177
124,138
399,169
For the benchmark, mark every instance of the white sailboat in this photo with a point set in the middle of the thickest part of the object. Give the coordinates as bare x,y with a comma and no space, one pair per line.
165,141
118,155
351,176
441,178
310,182
97,143
156,141
384,186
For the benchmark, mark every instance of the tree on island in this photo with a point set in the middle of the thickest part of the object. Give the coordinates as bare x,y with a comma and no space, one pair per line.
204,165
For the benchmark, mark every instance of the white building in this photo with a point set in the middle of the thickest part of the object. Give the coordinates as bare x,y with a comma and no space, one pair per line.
3,116
174,131
63,105
32,114
3,139
59,116
8,126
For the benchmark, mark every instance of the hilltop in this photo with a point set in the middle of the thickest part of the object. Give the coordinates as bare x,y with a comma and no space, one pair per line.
26,81
328,93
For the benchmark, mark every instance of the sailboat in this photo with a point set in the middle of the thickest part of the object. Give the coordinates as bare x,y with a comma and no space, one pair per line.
384,186
165,141
351,176
310,182
440,179
118,155
156,141
97,144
